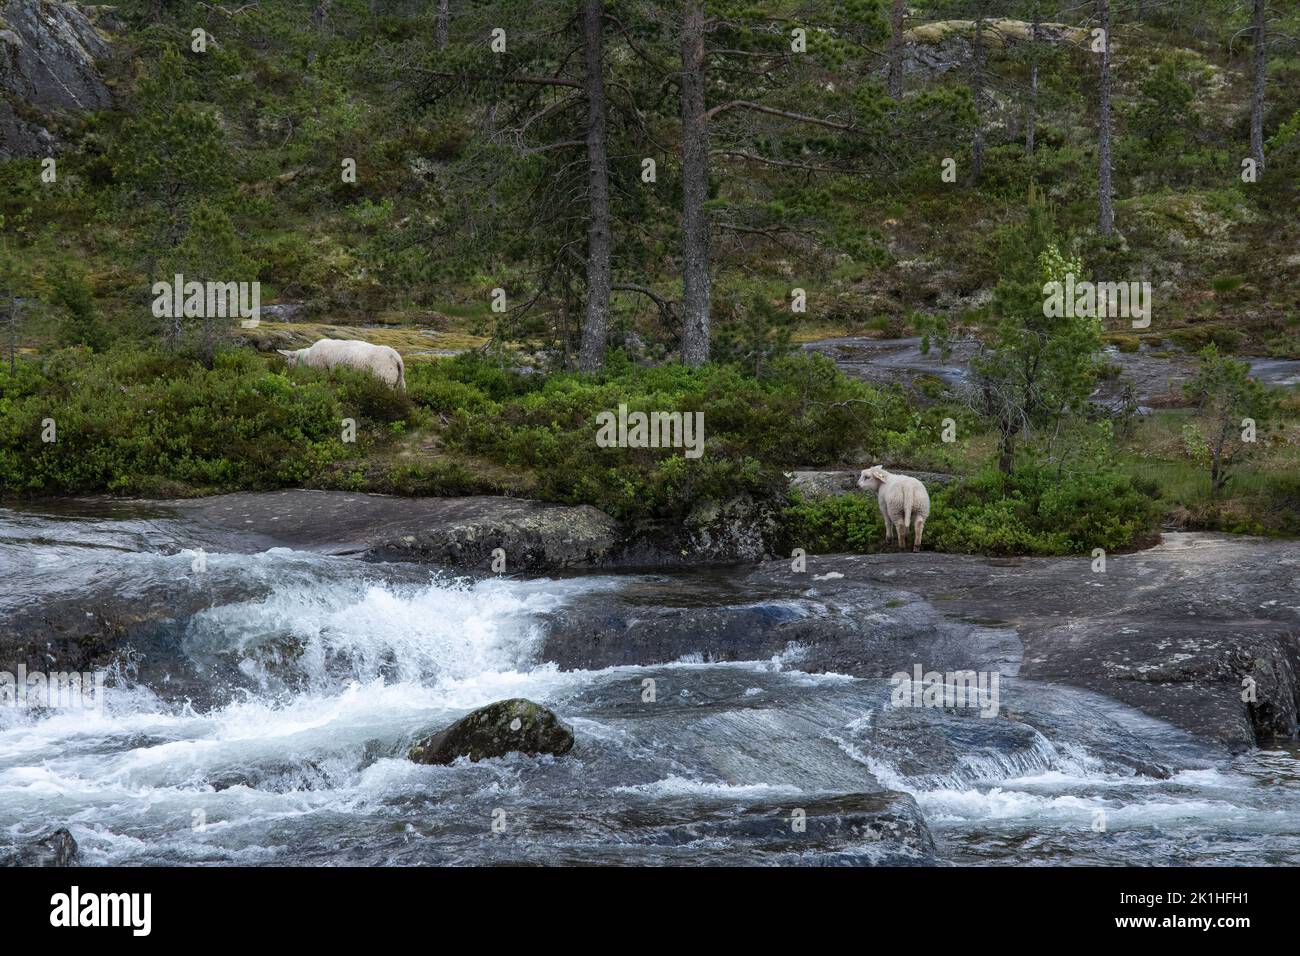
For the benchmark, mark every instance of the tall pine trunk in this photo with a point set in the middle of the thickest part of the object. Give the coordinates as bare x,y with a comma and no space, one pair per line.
977,98
1031,121
1257,94
695,190
897,12
13,334
595,328
444,23
1105,192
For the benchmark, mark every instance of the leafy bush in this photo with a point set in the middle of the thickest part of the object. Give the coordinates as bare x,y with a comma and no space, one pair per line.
802,411
1035,511
826,525
150,423
1031,511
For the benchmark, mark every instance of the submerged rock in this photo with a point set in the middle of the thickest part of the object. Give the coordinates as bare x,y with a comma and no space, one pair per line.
508,726
55,849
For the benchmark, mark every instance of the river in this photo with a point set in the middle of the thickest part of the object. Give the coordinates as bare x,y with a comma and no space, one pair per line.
270,725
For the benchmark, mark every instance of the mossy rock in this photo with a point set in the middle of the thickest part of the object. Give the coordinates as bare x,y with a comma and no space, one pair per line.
508,726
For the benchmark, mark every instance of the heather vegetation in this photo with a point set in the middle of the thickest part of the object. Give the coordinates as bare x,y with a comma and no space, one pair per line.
654,205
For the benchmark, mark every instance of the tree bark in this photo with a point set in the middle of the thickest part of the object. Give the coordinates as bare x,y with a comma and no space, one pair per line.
444,23
1031,121
1105,194
595,328
977,98
13,334
695,190
896,15
1006,447
1257,95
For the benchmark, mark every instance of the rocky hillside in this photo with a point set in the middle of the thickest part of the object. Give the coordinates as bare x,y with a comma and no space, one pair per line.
48,53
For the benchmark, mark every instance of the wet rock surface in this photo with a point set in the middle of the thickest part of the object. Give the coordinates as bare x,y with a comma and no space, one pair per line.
55,849
1202,631
720,714
506,727
459,532
1187,631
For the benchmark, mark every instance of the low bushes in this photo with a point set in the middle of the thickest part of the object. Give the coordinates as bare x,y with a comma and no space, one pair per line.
1032,511
151,423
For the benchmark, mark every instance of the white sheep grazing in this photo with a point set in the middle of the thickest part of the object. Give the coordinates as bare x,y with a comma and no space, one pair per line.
379,360
903,500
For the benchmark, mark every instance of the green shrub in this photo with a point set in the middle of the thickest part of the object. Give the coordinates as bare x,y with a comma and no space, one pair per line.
1031,511
801,411
149,423
1035,511
827,525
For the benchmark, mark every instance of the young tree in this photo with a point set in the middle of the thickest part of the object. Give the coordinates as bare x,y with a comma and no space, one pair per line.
1235,406
211,252
171,154
1030,368
759,334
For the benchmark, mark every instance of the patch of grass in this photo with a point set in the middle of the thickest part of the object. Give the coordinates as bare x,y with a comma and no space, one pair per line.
1261,495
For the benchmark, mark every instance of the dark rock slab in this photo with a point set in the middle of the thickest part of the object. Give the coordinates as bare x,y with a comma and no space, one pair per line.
47,66
458,532
1187,631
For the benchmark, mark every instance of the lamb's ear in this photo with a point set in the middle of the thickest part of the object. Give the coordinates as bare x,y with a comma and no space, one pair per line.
284,352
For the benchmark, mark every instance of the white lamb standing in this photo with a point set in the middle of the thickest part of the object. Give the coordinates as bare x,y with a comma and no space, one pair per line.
902,499
379,360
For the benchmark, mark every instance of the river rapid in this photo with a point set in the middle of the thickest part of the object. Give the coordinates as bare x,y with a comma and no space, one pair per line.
270,727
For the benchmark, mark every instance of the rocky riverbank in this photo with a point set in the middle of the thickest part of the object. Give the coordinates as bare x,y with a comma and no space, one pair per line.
1202,631
719,713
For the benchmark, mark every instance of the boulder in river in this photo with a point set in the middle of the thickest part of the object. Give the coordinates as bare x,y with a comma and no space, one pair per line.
508,726
55,849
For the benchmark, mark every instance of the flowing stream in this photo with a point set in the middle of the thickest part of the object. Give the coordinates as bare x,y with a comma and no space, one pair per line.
270,727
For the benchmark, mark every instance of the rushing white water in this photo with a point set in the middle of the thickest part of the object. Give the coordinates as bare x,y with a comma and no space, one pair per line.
272,727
